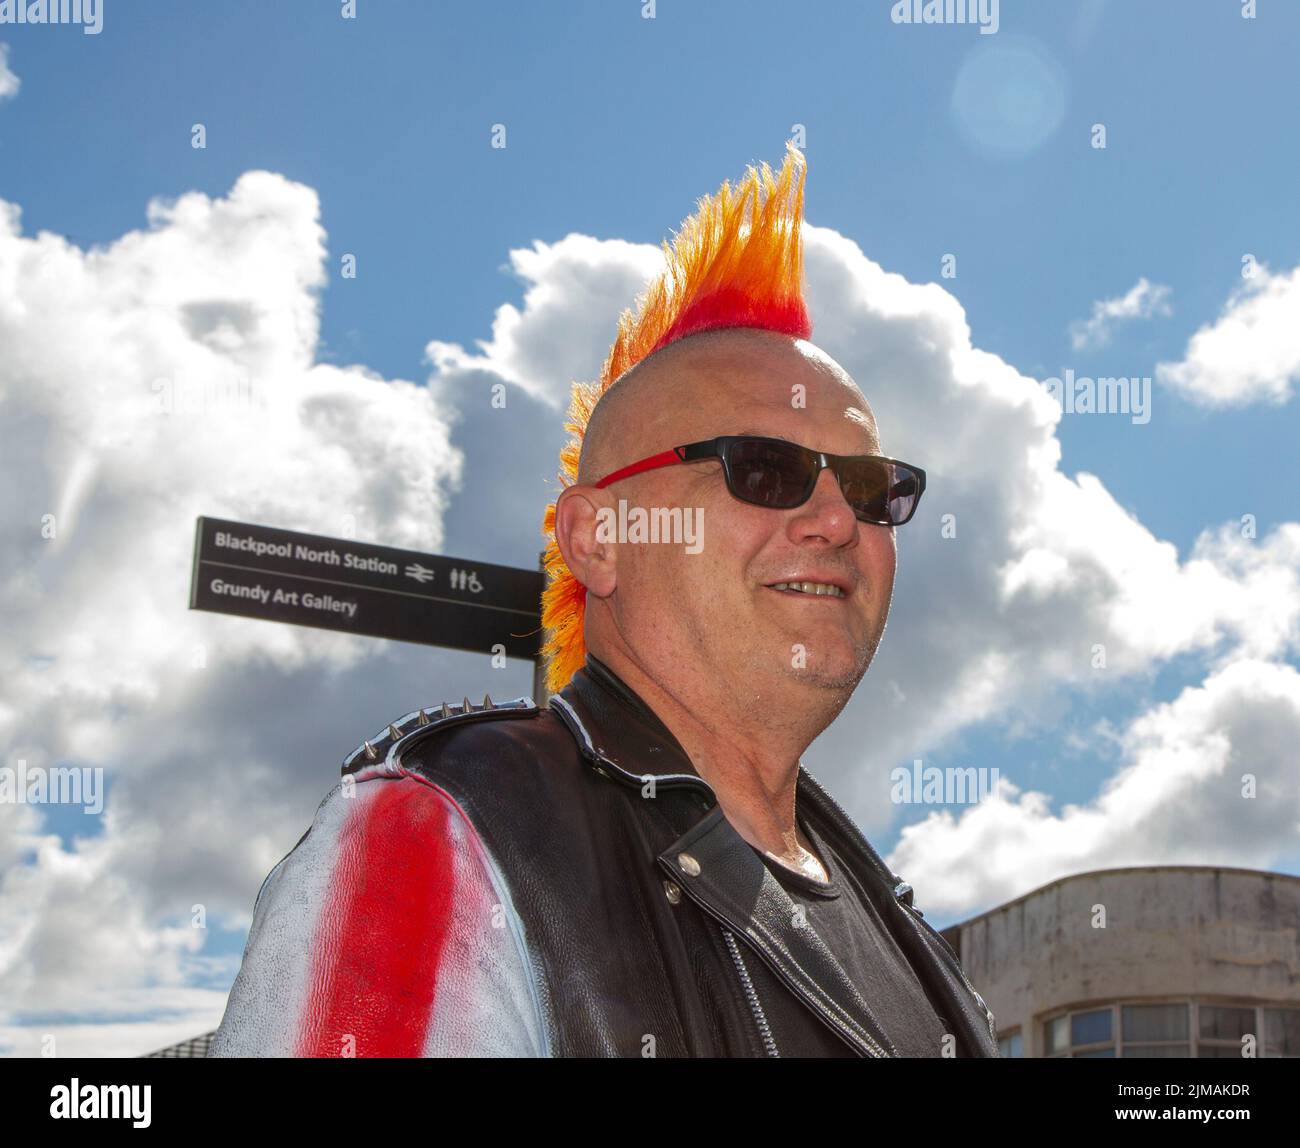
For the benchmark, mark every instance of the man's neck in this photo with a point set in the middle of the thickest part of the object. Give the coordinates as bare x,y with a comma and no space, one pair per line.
747,749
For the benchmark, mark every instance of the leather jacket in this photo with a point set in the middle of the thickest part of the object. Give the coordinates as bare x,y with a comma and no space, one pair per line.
509,879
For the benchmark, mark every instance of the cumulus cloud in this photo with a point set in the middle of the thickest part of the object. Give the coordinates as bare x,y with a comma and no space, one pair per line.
1208,778
1250,353
998,611
81,948
168,375
571,289
1142,301
9,83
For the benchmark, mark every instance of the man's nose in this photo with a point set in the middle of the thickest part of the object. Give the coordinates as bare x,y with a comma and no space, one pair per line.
827,512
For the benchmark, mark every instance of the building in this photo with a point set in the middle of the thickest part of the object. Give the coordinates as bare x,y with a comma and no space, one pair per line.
1168,961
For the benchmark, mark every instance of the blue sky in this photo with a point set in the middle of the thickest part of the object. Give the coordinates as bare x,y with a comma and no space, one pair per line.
617,123
920,141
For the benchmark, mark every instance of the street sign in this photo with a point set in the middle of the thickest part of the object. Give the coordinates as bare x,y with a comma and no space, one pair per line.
379,591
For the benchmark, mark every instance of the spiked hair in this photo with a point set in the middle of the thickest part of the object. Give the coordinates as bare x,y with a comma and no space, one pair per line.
737,262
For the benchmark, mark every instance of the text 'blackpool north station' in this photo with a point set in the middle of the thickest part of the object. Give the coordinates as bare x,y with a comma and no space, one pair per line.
302,553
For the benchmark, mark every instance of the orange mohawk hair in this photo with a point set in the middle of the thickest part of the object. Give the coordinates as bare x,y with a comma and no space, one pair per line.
737,262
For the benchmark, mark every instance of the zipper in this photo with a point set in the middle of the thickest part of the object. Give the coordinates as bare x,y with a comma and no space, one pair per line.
837,1025
751,995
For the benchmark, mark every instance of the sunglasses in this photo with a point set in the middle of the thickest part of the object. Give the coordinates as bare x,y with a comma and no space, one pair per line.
781,475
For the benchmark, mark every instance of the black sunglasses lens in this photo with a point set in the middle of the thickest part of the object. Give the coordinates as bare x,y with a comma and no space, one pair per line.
885,493
768,473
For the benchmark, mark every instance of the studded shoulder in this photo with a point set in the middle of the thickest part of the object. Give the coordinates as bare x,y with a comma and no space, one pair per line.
379,753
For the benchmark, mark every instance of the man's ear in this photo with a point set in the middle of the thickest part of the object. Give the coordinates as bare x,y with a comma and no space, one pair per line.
586,538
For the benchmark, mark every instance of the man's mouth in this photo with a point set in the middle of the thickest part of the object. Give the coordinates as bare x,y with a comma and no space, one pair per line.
811,589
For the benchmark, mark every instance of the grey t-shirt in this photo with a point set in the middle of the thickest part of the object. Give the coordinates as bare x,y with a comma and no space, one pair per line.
848,919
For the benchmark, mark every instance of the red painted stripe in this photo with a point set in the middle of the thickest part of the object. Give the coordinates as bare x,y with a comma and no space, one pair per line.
377,952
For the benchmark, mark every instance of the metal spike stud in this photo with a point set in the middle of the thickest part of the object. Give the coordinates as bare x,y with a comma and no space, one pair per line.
371,753
423,719
446,710
394,732
467,707
487,702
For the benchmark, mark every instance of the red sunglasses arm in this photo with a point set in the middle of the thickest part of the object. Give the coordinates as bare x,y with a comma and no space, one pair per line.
664,458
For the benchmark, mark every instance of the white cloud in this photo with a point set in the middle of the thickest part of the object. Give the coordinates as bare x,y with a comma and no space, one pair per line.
9,83
159,1017
1250,353
78,939
572,287
1043,568
113,1038
1142,301
168,375
1179,799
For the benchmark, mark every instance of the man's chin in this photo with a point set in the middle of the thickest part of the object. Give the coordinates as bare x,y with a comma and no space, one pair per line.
838,669
838,678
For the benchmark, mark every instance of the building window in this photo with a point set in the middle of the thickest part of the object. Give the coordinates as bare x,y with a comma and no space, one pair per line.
1169,1029
1081,1034
1156,1030
1010,1044
1282,1032
1221,1029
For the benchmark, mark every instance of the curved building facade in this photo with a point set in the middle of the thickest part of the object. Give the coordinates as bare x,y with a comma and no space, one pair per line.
1167,961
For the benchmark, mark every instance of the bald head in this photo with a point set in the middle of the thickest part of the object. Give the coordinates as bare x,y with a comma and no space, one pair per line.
718,382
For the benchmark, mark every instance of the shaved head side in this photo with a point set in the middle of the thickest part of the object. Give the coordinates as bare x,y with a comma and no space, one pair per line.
660,382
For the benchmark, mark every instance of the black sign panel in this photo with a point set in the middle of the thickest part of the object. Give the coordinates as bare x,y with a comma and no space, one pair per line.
380,591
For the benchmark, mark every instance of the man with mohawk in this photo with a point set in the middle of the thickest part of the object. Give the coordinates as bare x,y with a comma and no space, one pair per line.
643,866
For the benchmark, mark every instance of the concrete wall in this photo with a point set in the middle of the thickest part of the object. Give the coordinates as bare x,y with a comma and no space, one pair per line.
1170,931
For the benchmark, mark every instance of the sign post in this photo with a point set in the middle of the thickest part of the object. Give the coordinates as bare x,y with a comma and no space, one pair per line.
360,588
540,693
